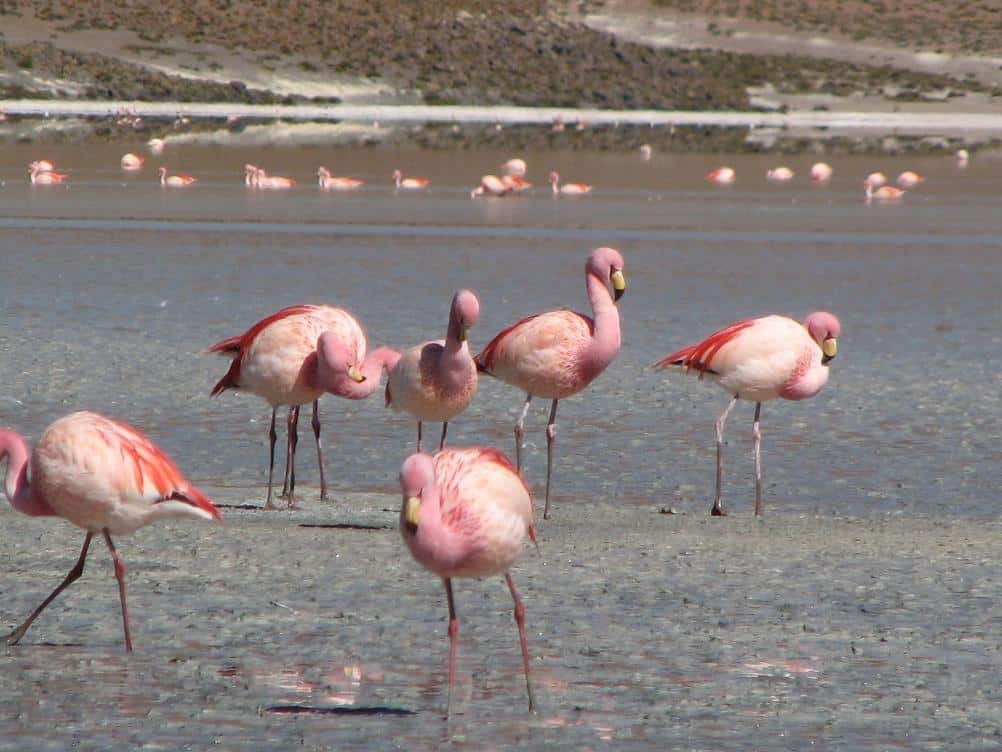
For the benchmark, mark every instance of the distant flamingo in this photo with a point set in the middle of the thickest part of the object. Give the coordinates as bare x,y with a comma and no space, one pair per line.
558,353
436,380
567,189
327,182
467,513
909,179
103,476
42,165
265,182
409,184
761,359
176,181
47,177
722,176
250,173
288,358
156,146
779,174
514,167
132,162
491,185
821,172
875,179
883,193
963,157
646,152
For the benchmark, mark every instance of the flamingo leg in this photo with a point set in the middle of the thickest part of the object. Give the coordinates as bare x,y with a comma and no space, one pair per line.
520,623
419,435
453,642
272,437
718,509
551,434
320,451
290,461
288,454
757,439
74,574
445,430
520,432
120,576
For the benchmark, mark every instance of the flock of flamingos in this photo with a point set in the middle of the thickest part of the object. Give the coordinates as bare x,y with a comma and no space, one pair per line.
465,512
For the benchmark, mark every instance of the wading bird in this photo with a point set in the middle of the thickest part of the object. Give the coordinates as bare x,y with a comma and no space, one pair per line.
409,184
567,189
176,181
758,360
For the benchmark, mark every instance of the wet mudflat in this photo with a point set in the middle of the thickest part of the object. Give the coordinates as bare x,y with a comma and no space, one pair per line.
861,612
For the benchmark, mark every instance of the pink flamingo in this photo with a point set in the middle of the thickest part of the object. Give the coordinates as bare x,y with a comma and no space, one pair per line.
567,189
176,181
42,165
132,162
409,184
290,358
909,179
761,359
103,476
466,513
722,176
779,174
875,179
328,182
491,185
882,193
963,157
250,174
646,152
558,353
156,146
437,380
47,177
265,182
821,172
514,168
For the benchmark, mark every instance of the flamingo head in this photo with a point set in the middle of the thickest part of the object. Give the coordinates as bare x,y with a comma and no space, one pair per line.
335,362
607,264
162,171
554,176
417,481
397,175
824,329
465,312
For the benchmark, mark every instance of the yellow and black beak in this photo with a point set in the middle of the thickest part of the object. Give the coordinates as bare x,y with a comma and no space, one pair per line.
829,349
355,375
412,510
618,283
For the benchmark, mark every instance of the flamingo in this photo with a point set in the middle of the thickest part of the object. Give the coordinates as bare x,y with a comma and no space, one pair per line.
250,173
42,165
567,189
47,177
265,182
646,152
466,513
289,358
176,181
409,184
437,380
722,176
329,183
558,353
101,475
514,167
962,157
821,172
132,162
491,185
882,193
156,146
875,179
761,359
779,174
909,179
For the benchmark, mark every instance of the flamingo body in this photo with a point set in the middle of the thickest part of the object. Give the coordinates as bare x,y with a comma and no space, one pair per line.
491,185
910,179
176,181
722,176
42,165
409,184
568,189
821,172
466,513
780,174
514,167
132,162
46,177
328,182
883,193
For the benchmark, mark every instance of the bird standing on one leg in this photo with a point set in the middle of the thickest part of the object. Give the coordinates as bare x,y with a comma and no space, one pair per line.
758,360
437,380
466,513
103,476
558,353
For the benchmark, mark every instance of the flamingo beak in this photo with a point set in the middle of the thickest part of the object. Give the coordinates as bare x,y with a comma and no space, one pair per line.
618,284
412,509
355,375
830,349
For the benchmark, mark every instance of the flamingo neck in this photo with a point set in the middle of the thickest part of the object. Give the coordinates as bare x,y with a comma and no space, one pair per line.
436,544
382,359
19,491
606,338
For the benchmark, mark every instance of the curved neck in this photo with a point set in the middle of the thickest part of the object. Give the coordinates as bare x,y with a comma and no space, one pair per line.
372,369
439,545
20,493
606,338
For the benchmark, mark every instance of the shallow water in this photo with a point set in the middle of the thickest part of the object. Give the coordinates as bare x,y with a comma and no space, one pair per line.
113,287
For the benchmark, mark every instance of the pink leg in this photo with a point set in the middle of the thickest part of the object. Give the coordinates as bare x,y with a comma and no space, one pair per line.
520,432
520,622
718,508
445,430
757,438
272,437
453,642
320,451
551,433
120,576
74,574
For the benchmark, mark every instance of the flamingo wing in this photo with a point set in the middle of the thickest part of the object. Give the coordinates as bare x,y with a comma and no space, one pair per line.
700,355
